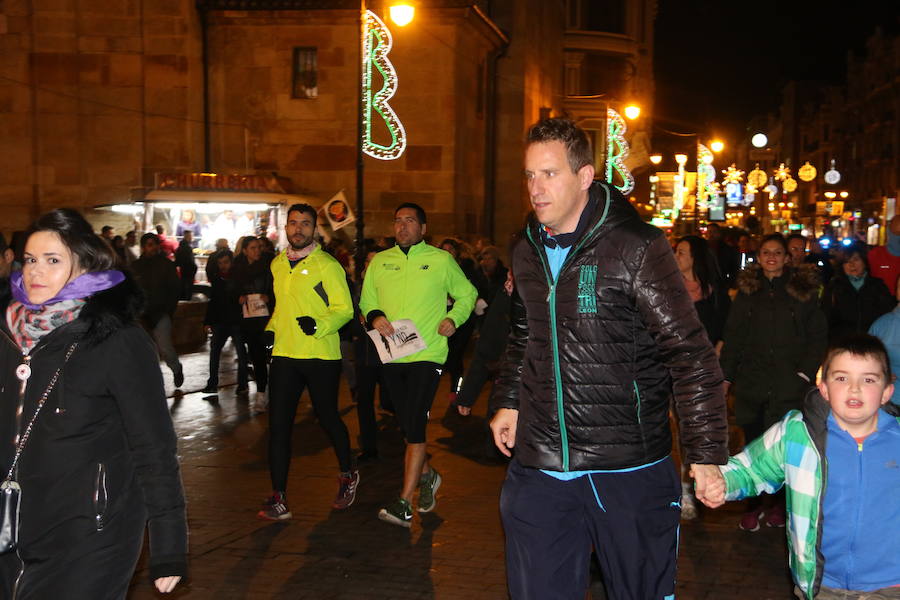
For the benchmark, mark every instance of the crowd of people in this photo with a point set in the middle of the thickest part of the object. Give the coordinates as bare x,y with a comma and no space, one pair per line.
616,357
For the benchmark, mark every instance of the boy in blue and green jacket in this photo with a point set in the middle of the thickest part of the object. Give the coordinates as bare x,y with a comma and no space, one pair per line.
840,460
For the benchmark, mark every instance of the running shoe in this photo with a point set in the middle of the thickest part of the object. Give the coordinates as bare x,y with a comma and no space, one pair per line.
398,512
750,520
428,487
347,483
275,508
775,516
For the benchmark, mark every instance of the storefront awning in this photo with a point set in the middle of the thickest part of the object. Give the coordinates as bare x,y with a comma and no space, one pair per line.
181,196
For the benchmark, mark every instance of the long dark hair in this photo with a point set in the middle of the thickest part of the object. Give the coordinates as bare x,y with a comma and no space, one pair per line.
705,269
78,236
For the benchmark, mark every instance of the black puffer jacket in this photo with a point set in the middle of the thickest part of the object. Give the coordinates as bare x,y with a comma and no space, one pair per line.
594,359
775,330
101,462
849,310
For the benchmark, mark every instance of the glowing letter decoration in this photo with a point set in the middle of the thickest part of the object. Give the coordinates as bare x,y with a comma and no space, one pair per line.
616,151
377,43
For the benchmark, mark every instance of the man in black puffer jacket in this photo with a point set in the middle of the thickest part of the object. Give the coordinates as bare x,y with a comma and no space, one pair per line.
603,338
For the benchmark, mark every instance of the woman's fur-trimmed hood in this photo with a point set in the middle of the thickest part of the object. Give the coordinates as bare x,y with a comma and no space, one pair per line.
104,313
802,282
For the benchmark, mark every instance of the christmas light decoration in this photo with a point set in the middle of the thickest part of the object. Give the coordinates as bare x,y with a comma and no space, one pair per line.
706,175
772,189
757,177
750,192
789,184
782,173
377,43
832,176
807,172
616,151
732,174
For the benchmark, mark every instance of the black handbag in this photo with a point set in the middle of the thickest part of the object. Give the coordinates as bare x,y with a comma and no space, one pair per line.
10,492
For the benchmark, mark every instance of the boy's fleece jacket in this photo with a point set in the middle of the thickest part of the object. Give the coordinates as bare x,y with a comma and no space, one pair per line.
856,551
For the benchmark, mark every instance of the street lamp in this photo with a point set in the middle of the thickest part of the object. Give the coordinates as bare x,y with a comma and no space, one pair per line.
402,14
632,111
759,140
717,146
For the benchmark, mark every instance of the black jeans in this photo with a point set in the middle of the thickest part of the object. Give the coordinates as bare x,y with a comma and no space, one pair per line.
289,377
220,335
253,331
456,349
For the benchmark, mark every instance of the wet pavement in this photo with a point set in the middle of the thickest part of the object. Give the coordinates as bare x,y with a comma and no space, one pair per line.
455,552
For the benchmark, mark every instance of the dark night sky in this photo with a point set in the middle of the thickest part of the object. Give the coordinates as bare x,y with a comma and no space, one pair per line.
718,63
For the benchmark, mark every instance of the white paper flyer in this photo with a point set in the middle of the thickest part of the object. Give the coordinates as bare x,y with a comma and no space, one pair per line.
405,341
255,306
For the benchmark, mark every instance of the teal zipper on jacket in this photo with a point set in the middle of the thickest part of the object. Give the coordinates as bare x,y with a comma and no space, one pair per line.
554,342
637,395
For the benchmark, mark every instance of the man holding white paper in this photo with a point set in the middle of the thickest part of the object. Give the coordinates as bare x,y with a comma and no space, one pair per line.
412,281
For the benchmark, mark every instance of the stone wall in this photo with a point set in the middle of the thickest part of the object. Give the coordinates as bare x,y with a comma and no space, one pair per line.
530,78
95,97
313,141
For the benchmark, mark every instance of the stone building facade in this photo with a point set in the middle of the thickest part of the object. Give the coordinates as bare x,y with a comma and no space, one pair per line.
97,98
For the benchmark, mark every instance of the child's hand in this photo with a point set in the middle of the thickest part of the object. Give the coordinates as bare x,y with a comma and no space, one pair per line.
709,485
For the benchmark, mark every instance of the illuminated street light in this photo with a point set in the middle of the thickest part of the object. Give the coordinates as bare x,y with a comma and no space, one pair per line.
759,140
717,146
632,111
402,14
656,158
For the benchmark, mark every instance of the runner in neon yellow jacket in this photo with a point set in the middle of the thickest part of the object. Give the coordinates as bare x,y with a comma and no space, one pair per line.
316,287
415,286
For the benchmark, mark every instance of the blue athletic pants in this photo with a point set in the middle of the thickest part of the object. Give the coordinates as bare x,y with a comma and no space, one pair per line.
630,518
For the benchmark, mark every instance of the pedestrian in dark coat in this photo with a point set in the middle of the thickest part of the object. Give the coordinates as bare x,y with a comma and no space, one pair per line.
253,275
705,287
603,338
100,464
704,284
854,299
161,286
223,321
774,340
187,267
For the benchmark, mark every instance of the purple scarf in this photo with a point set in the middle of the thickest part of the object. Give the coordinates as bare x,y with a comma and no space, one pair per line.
79,288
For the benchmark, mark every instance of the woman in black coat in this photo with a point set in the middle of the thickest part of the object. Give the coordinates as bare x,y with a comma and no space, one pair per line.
854,299
100,464
701,278
774,340
252,274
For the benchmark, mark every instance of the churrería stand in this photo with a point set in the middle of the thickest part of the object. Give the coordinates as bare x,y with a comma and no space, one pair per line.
213,207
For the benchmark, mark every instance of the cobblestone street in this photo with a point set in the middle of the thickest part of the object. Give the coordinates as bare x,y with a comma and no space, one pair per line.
455,552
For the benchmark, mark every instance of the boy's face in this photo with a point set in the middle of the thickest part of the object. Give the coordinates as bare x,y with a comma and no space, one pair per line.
855,388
